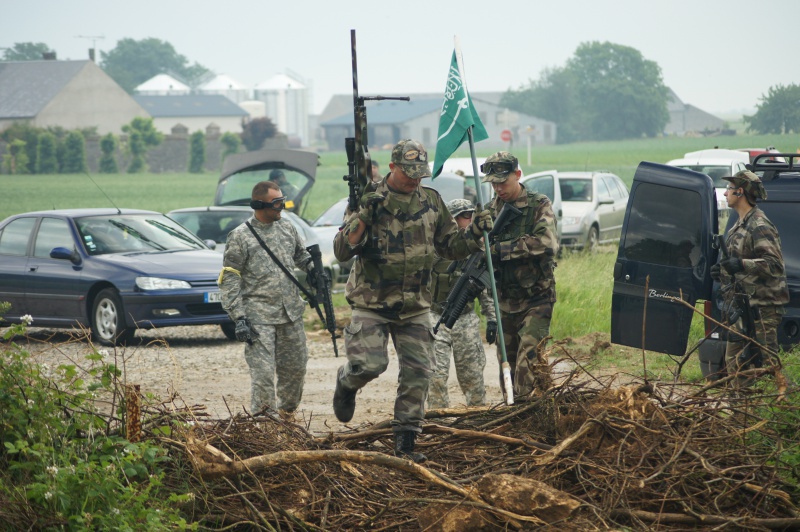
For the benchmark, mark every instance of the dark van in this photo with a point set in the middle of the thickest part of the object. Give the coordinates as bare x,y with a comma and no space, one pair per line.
667,249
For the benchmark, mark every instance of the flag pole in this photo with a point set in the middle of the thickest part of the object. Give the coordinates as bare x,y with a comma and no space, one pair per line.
501,345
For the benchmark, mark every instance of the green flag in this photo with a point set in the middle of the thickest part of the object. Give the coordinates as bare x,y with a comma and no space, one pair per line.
457,116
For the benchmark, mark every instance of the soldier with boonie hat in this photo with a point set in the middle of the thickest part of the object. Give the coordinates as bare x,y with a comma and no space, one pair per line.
750,184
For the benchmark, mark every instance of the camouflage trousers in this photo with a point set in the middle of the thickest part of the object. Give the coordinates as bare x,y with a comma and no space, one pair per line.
279,351
462,343
766,321
366,340
522,332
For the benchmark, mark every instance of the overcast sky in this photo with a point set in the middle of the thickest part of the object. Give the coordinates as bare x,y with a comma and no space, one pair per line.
719,55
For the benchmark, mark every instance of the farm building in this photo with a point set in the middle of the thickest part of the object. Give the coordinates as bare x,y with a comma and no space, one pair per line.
68,94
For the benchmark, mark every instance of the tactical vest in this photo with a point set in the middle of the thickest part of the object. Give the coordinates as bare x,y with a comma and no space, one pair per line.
518,278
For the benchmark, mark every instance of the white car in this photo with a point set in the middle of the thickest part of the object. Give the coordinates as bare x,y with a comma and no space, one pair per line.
592,205
716,164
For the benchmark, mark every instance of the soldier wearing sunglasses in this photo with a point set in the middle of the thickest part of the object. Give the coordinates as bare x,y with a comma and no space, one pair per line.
265,305
524,259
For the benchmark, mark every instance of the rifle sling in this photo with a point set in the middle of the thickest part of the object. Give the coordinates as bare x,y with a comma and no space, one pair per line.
311,298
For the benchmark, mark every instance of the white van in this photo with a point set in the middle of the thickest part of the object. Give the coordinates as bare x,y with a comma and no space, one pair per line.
716,164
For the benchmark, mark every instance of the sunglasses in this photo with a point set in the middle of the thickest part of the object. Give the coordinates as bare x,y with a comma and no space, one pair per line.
501,168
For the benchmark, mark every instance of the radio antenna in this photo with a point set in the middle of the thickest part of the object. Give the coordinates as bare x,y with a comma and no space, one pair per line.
104,193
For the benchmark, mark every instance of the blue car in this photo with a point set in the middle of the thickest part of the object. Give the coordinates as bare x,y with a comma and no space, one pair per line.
110,270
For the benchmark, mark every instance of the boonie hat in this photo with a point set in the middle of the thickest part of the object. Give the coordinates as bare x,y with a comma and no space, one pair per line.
458,206
750,182
498,166
411,155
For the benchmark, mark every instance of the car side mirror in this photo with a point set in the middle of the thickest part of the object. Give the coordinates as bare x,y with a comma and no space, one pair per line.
66,254
210,243
605,201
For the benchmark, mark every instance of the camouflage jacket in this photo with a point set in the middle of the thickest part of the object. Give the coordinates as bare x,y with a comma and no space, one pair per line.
755,240
392,271
443,281
251,284
527,249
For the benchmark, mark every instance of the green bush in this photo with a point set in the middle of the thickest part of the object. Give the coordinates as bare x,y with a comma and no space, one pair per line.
47,154
197,152
108,161
63,465
74,158
231,142
16,160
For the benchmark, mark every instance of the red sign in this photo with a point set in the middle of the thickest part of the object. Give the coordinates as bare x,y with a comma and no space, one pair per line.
505,135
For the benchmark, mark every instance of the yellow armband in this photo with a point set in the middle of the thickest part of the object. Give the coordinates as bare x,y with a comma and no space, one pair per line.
227,269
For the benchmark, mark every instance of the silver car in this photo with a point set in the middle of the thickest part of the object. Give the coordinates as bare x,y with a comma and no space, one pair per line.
593,208
212,225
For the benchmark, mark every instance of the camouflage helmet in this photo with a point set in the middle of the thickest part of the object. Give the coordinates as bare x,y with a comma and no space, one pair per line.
412,157
498,166
458,206
750,182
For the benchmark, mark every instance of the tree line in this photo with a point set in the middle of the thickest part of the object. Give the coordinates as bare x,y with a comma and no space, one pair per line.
605,91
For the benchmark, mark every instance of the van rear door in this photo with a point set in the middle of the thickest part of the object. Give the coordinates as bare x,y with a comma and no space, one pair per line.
665,251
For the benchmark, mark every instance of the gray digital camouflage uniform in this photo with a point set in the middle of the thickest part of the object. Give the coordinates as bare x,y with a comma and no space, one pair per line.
755,240
526,287
462,343
253,286
389,290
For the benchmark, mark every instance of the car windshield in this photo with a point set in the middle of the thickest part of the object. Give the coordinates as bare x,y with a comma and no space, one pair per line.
715,172
126,233
237,188
333,215
211,225
576,189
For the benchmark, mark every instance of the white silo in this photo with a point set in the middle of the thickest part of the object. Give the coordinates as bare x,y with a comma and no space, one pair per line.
226,86
287,105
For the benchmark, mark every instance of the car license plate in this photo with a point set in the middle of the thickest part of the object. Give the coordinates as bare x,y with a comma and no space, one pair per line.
213,297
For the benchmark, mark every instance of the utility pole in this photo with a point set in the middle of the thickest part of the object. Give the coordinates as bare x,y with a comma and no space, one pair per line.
94,38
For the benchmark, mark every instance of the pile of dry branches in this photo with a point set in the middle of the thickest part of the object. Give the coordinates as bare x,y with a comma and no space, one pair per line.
584,455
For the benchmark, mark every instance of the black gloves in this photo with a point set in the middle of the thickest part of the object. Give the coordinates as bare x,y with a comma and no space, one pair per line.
491,331
715,272
245,331
732,265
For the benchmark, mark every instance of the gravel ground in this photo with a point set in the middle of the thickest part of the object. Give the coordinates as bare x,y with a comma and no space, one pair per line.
205,368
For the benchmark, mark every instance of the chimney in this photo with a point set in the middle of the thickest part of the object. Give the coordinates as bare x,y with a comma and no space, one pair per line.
49,56
91,55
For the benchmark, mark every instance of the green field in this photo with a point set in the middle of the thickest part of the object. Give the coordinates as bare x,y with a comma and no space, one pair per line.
584,282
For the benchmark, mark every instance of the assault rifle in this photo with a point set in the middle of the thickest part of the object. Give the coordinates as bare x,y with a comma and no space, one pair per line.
322,292
359,164
475,274
737,305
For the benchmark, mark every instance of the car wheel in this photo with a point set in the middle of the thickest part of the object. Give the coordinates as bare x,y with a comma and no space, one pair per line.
592,239
229,330
108,319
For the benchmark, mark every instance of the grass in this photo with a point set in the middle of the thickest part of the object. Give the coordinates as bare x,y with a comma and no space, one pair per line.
584,282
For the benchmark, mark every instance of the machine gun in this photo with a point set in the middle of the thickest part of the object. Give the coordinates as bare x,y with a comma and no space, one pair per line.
736,307
359,164
322,292
475,274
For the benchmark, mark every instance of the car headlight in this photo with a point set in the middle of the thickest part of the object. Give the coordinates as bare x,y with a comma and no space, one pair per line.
570,220
159,283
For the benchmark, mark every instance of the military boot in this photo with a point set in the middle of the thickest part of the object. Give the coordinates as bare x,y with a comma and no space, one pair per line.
404,442
344,401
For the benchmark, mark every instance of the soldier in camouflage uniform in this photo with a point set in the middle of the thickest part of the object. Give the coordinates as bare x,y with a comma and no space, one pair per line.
755,269
394,234
524,259
462,343
265,305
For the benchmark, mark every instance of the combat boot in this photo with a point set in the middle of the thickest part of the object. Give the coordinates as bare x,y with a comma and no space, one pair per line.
404,442
344,401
